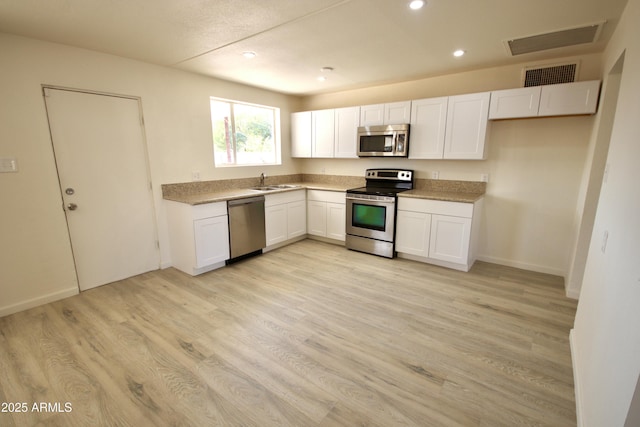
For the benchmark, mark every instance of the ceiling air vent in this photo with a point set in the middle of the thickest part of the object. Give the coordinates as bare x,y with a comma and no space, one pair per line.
550,75
563,38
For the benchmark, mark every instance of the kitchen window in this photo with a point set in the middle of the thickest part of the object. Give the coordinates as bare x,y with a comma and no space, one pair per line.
245,134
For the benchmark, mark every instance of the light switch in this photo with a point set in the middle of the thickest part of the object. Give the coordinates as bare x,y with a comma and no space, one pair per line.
8,164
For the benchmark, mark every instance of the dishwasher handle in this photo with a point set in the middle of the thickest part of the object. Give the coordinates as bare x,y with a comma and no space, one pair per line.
245,201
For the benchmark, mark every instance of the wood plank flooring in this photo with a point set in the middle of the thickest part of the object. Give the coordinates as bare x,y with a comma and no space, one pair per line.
308,335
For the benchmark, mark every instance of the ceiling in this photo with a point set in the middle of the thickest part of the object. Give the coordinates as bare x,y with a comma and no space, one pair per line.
366,42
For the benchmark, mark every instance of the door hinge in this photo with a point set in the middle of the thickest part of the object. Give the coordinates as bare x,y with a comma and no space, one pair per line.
158,244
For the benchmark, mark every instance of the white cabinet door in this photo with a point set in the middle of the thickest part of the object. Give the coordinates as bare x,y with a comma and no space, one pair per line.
301,134
347,121
428,122
450,237
467,125
336,221
317,218
397,113
296,219
211,240
514,103
569,98
275,221
322,133
412,233
371,115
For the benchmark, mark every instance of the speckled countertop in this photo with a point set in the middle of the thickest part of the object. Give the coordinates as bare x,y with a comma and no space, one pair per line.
197,193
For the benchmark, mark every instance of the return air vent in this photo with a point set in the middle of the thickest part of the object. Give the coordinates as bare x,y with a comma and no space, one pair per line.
549,75
563,38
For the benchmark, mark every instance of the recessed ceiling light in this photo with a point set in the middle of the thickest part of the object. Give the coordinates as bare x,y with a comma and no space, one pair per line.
416,4
322,79
249,54
458,53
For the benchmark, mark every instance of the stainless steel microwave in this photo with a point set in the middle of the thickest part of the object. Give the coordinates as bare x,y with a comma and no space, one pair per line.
387,140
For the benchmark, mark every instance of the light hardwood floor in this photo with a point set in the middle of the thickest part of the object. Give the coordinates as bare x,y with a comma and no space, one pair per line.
308,335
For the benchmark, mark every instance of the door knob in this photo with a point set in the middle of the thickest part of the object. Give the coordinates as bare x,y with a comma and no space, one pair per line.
72,206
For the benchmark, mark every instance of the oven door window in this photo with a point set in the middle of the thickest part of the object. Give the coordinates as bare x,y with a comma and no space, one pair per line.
376,144
368,216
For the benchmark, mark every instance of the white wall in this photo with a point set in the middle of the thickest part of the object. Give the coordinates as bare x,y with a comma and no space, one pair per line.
535,166
36,265
606,335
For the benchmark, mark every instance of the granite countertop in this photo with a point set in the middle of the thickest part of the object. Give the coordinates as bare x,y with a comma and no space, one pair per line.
240,193
447,196
198,193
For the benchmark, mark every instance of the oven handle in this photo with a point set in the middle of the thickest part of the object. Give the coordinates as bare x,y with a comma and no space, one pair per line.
388,202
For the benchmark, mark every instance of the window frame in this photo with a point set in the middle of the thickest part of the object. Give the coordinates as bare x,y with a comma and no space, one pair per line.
277,141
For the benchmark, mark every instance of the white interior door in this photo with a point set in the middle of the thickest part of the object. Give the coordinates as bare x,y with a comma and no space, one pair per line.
101,158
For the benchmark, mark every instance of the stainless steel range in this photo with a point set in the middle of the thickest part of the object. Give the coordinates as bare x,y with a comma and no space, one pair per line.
371,211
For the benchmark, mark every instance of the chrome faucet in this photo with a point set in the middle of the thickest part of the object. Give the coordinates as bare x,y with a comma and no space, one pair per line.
262,177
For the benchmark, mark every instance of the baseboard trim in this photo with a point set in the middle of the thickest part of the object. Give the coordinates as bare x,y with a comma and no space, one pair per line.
521,265
576,379
44,299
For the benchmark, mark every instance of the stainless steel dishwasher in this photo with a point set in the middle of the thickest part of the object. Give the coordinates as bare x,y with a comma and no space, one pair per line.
246,226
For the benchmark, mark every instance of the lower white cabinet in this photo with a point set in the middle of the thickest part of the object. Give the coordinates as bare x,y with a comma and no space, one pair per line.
199,236
412,232
326,214
438,232
285,216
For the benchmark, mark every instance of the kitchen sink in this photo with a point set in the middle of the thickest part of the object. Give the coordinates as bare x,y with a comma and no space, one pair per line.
274,187
280,186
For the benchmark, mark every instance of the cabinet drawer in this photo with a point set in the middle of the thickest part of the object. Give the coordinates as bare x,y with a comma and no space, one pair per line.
439,207
286,197
327,196
209,210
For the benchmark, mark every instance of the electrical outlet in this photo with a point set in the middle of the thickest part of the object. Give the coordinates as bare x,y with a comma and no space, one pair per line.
484,177
195,176
435,175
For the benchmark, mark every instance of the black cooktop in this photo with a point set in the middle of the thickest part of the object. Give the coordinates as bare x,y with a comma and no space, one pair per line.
379,191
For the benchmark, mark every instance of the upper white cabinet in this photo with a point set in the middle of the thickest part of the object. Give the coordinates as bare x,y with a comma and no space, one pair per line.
514,103
301,134
549,100
428,121
467,126
569,98
347,121
322,133
325,133
385,114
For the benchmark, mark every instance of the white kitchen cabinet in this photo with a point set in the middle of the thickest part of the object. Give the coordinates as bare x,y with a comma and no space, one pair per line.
199,236
545,101
372,115
211,237
392,113
450,238
412,232
322,133
347,121
397,113
514,103
326,214
301,134
569,98
336,221
285,216
428,123
467,126
438,232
